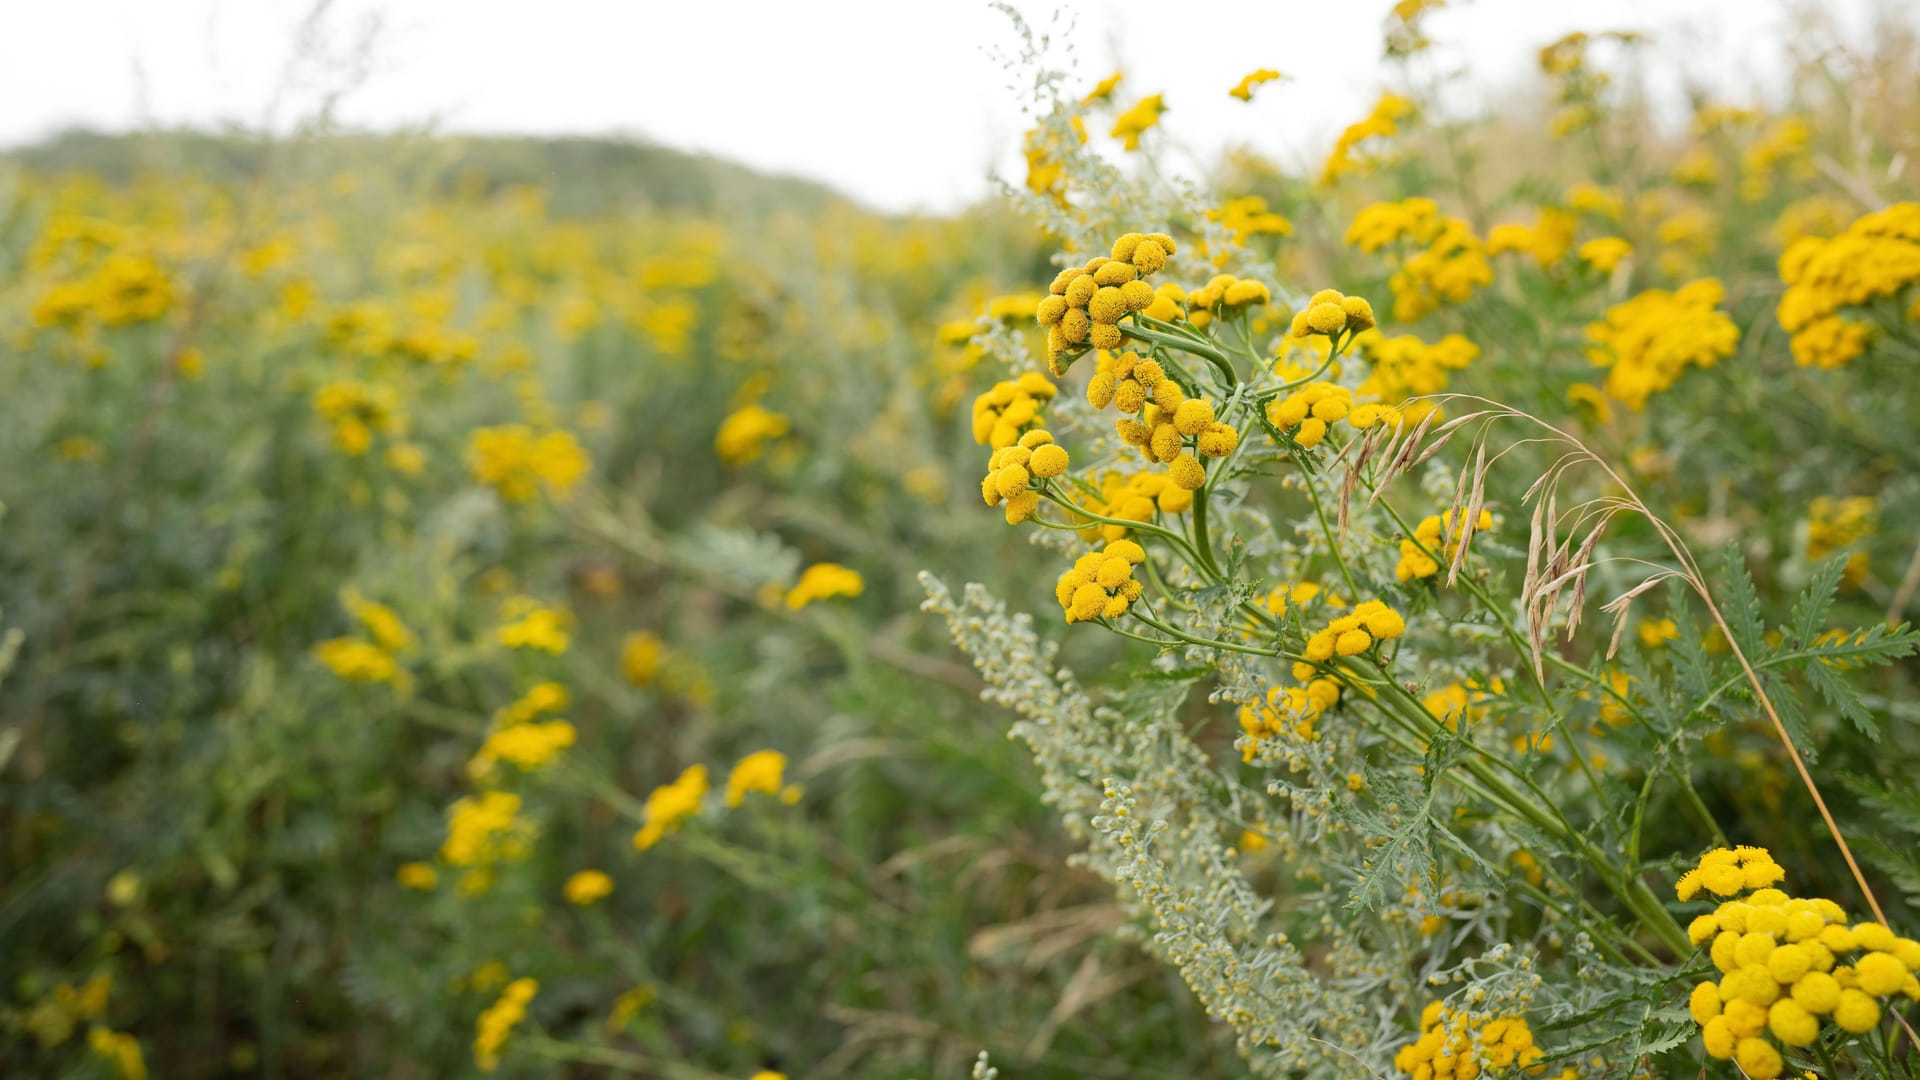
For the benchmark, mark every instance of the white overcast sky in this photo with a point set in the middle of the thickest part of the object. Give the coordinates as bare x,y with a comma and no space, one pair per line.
896,101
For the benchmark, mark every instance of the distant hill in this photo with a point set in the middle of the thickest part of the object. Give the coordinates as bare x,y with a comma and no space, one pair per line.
583,174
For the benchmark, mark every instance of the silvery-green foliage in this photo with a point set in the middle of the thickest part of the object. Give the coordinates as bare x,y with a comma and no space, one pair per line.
1158,816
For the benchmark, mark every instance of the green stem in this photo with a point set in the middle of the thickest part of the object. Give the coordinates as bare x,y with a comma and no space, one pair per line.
1143,332
1203,545
1143,526
1558,722
1333,542
1209,643
1623,884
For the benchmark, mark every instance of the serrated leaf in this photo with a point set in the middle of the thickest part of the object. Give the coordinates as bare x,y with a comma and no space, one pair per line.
1843,697
1898,807
1877,645
1742,603
1413,838
1810,610
1792,715
1662,1031
1697,674
1898,864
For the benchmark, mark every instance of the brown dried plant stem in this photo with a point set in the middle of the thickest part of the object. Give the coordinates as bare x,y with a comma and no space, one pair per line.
1697,582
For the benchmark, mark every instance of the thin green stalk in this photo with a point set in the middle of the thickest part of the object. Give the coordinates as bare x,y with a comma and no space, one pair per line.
1623,884
1333,542
1210,643
1203,545
1473,588
1143,526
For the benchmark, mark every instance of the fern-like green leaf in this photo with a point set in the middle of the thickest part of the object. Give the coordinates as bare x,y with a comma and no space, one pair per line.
1835,691
1810,610
1741,606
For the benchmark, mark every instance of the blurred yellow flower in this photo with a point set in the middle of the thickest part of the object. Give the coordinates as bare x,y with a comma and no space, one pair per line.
670,804
641,657
587,886
1130,125
516,463
1244,88
745,433
497,1022
822,581
418,876
760,771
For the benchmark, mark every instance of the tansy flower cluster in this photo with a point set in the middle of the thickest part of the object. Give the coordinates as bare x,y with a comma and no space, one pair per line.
1877,257
1351,634
1647,342
1784,147
1103,90
587,887
1332,313
1452,1044
1600,202
1404,366
125,288
823,581
1298,596
1837,523
1471,704
1790,966
1085,304
1305,414
1013,469
1287,710
1548,239
1172,427
1134,122
1001,414
670,804
1244,88
1225,293
1101,584
418,876
1046,175
357,411
540,698
1381,224
360,660
526,744
1451,266
498,1021
1246,217
743,436
526,623
517,463
1605,253
642,655
1417,553
1134,497
1381,122
120,1048
482,830
1579,86
760,772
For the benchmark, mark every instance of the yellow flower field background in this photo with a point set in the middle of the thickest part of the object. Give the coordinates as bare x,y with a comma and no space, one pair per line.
498,606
